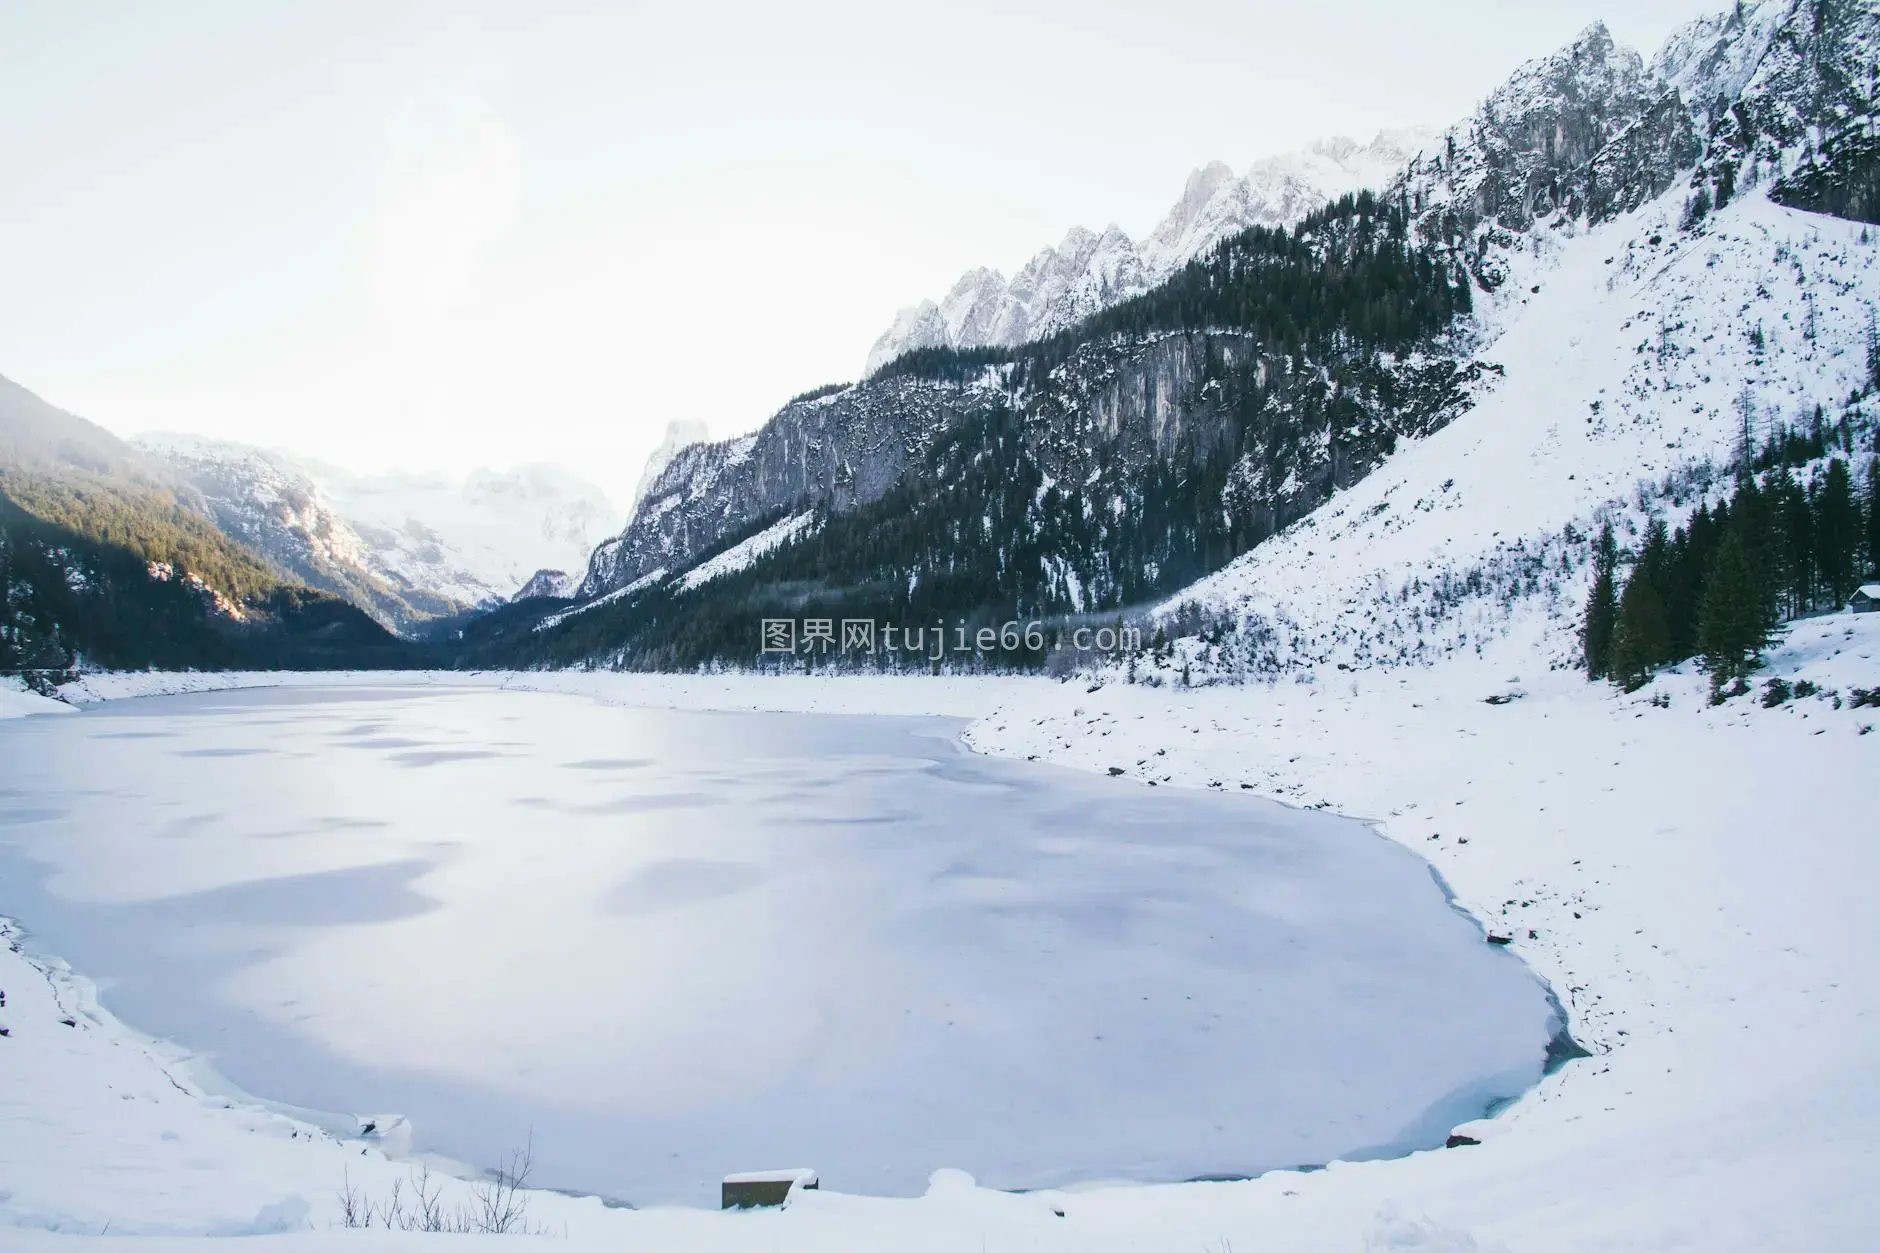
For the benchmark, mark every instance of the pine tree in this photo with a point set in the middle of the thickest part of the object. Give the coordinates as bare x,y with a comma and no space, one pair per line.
1873,516
1746,432
1691,551
1791,548
1641,640
1737,615
1602,607
1837,533
1696,208
1873,349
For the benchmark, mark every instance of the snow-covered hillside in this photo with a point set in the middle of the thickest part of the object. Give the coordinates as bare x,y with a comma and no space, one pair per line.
1092,270
464,542
275,506
1629,353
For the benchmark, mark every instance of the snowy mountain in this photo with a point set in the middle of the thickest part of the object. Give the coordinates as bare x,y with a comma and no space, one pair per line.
274,506
1652,307
404,547
847,446
479,538
1201,426
1627,367
680,434
110,556
1577,136
1089,271
554,584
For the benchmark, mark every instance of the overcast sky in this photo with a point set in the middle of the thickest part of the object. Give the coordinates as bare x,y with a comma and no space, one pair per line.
457,234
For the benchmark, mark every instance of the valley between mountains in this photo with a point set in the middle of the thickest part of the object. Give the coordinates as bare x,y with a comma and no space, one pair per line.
1512,487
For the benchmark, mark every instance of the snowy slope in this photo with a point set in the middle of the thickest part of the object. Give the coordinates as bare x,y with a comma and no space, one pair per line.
1092,270
258,492
1626,364
277,507
744,552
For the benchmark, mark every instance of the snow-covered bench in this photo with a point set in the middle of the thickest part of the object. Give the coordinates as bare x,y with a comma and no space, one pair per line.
764,1187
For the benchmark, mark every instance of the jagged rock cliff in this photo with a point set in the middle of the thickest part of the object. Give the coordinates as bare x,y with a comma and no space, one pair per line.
1583,134
839,449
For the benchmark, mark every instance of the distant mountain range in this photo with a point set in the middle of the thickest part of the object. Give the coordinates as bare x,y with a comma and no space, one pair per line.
241,551
110,557
439,544
1092,270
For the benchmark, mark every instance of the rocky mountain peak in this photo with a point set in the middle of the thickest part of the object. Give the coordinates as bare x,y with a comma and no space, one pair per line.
680,433
553,584
1202,186
1091,270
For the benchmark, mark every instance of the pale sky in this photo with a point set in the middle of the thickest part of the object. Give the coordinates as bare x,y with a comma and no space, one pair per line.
441,235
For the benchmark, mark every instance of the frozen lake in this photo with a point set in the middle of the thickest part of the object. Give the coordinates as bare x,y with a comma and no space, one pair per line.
675,945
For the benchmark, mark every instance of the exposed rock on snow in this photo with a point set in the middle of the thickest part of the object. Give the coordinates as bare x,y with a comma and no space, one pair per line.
840,448
679,434
1586,132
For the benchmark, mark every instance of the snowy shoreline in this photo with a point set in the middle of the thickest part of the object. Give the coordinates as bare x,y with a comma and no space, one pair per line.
1719,990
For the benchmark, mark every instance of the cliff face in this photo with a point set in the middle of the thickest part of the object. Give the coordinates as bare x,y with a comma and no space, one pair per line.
1582,135
837,450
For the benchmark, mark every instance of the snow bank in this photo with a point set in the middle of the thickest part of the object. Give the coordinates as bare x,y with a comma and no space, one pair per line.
954,696
18,701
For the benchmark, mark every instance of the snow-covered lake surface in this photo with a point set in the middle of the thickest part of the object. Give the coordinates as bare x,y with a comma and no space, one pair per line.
670,945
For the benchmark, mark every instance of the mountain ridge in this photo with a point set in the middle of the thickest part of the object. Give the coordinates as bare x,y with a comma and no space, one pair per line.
110,557
1092,270
411,547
